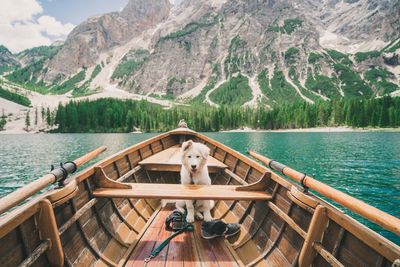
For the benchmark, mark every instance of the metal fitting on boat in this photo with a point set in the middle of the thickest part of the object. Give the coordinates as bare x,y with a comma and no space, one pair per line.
61,173
276,166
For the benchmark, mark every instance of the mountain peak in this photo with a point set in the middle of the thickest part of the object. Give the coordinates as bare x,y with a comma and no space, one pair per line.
268,52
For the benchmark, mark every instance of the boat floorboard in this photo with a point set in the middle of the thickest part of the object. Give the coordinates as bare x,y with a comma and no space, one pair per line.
187,249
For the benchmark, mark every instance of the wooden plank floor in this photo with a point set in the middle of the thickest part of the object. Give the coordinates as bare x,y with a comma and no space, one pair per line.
187,249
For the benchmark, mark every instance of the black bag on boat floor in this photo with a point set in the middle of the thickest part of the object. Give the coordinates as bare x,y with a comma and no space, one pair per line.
175,221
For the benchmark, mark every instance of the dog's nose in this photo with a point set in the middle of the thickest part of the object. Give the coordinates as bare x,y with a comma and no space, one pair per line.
193,167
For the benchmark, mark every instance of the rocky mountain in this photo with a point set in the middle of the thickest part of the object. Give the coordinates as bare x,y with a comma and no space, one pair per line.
7,60
244,52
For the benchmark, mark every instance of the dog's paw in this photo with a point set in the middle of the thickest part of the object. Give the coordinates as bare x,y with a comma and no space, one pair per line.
180,209
207,218
190,218
199,216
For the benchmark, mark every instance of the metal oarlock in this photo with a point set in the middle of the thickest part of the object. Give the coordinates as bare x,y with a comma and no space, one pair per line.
61,173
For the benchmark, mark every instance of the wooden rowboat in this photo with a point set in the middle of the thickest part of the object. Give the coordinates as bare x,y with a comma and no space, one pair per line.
110,214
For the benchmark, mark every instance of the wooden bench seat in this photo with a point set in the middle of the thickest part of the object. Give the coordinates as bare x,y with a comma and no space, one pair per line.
108,188
186,249
179,191
170,160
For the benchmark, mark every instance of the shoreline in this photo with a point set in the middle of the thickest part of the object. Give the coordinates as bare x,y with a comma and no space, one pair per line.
340,129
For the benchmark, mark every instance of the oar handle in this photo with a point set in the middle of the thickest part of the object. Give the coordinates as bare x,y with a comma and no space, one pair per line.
32,188
387,221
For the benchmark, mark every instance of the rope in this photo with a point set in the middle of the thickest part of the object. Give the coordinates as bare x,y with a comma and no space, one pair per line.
188,227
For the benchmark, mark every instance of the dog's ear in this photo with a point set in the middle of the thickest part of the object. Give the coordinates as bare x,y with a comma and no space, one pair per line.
186,145
205,151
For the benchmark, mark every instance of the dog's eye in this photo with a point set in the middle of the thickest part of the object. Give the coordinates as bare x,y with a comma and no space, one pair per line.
197,156
189,157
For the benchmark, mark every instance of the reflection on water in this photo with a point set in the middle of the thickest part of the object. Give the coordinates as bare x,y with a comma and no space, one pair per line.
365,165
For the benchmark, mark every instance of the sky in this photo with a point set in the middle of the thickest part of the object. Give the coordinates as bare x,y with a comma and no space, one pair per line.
29,23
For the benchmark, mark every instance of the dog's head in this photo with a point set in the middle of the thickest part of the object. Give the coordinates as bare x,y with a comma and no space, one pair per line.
194,155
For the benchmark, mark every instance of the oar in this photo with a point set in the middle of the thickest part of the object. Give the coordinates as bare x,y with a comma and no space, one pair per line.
55,175
373,214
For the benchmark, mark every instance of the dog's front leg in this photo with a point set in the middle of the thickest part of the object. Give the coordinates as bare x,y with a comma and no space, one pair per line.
190,211
207,206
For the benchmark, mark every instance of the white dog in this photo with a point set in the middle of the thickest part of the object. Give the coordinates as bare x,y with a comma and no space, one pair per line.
194,171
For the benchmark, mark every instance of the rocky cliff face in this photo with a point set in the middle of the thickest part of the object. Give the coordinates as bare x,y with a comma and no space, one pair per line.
283,51
7,60
102,33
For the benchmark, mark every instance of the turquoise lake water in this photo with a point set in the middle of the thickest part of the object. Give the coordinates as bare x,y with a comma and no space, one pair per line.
365,165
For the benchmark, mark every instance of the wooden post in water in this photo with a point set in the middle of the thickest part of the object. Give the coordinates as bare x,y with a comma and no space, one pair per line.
30,189
373,214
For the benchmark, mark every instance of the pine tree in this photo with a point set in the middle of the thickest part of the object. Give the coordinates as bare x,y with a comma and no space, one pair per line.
36,116
129,121
27,121
48,117
43,113
3,121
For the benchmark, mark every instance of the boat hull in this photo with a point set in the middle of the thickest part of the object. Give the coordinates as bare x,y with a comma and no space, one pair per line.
292,228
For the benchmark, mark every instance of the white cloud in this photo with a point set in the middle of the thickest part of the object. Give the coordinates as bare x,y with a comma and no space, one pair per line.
53,27
22,27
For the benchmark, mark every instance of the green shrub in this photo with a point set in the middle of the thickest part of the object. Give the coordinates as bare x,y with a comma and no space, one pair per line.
322,84
70,84
352,84
290,54
282,91
5,68
235,57
95,72
236,91
263,81
393,46
274,28
361,56
41,52
125,68
192,27
14,97
377,77
314,57
27,74
170,86
290,25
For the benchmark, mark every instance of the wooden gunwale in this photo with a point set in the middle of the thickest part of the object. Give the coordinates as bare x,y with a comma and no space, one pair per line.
16,217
